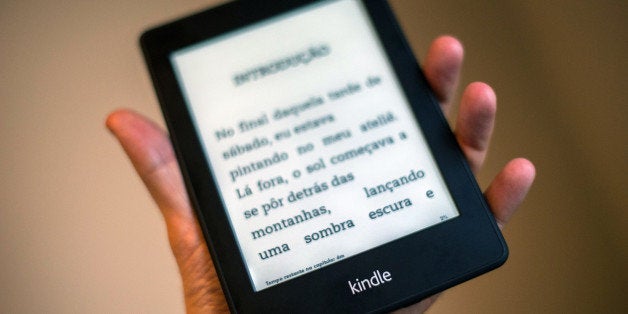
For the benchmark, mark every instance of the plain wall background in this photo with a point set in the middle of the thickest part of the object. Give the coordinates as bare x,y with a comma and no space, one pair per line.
79,233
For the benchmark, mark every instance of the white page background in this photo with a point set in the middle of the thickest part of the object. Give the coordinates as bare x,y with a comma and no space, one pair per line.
206,72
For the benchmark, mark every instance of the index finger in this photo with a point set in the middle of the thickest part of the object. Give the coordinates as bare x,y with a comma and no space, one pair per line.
442,68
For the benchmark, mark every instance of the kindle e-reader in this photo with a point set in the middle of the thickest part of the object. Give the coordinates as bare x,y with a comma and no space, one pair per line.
322,171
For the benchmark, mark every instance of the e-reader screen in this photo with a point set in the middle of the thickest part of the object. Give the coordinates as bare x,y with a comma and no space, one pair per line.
311,141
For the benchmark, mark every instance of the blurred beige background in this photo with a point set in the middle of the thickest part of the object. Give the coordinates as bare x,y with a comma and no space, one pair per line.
79,234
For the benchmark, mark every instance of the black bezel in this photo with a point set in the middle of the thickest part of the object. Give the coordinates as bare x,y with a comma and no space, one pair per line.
430,260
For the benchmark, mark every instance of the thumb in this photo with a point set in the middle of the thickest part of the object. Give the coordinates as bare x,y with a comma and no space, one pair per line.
151,153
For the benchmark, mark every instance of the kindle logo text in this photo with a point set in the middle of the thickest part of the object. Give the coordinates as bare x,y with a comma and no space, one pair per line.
378,278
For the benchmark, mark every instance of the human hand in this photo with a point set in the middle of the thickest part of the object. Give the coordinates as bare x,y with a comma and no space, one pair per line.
473,130
151,153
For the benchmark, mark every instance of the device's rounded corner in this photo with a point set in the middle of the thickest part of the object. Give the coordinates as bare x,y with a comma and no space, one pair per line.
502,255
145,38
